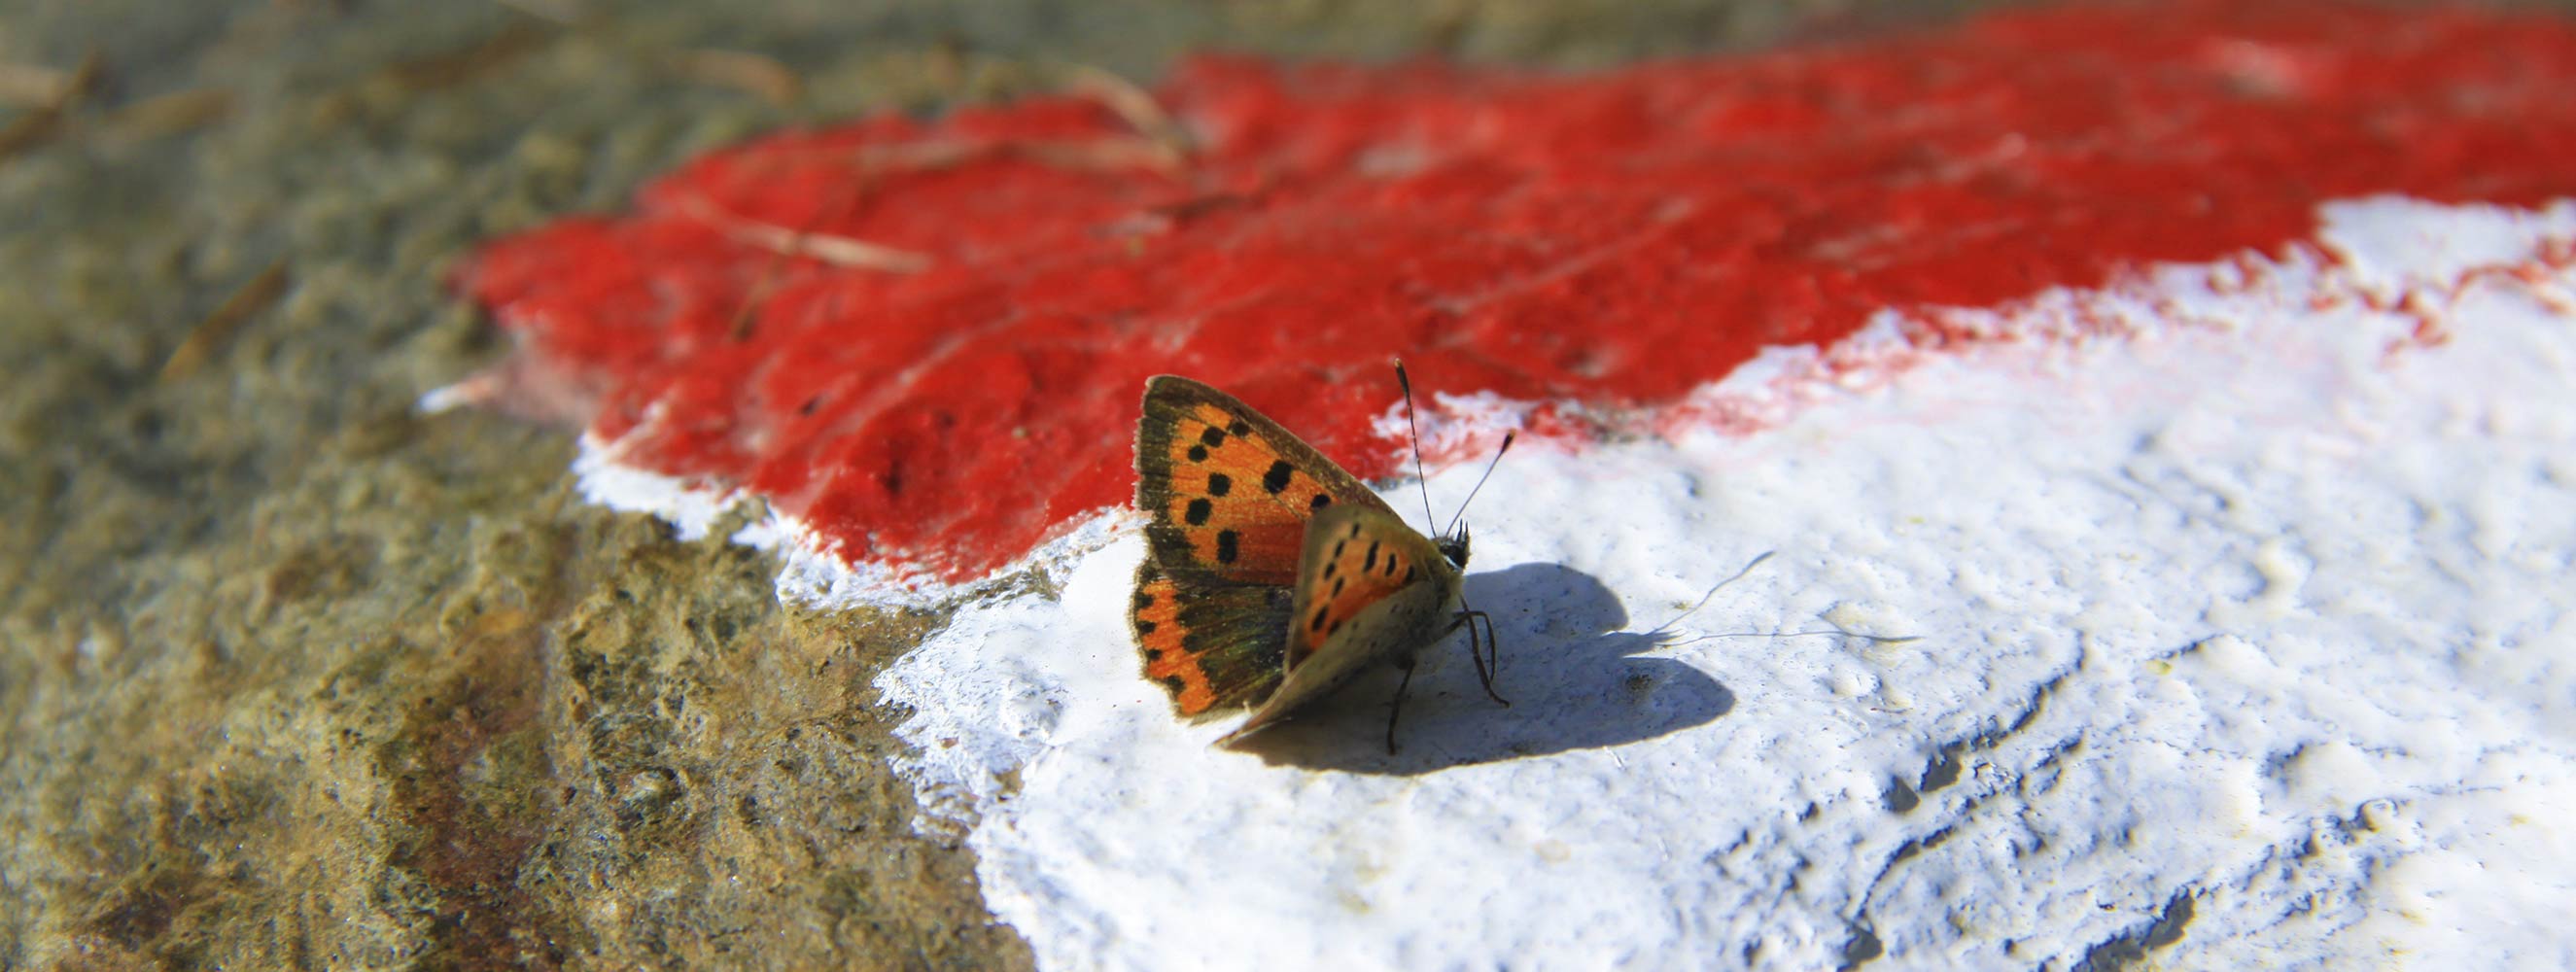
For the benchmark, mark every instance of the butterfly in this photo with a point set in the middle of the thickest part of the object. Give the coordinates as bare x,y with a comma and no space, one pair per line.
1272,577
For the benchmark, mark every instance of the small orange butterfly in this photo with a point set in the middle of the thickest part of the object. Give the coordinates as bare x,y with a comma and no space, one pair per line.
1271,576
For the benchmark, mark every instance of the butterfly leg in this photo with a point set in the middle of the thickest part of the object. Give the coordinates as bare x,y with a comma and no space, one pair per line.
1397,707
1486,668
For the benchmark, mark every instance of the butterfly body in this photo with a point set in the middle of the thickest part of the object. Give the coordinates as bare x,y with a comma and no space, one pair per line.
1272,577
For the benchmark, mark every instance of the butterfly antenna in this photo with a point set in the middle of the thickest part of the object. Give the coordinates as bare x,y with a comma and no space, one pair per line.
1480,480
1405,382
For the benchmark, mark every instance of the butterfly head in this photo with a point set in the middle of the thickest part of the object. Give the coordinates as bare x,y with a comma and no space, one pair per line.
1453,546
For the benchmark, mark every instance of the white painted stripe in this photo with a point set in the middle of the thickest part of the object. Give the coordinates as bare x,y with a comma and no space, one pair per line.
2262,607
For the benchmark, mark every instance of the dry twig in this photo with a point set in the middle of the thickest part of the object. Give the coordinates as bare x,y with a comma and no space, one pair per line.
228,317
743,71
840,250
40,123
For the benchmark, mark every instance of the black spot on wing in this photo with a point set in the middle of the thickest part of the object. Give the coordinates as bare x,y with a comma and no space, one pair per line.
1276,480
1199,511
1320,502
1198,453
1225,541
1220,484
1212,436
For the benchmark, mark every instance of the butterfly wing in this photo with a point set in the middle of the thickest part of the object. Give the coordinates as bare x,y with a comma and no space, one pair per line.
1354,559
1214,646
1369,589
1228,493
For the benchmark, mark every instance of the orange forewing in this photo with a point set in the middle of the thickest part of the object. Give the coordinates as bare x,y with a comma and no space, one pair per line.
1371,590
1229,491
1356,571
1222,500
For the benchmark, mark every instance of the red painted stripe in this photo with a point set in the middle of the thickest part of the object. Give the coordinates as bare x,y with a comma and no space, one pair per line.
1618,238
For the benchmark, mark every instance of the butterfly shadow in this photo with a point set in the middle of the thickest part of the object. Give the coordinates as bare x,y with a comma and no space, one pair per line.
1575,679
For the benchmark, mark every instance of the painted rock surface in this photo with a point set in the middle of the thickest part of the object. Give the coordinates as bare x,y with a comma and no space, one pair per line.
2158,415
